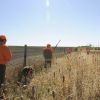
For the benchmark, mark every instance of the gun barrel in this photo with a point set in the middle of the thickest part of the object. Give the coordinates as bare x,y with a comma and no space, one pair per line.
57,43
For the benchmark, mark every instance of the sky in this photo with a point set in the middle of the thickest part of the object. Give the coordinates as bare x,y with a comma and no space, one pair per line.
39,22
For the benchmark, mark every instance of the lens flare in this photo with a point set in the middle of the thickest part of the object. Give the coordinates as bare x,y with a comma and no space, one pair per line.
47,3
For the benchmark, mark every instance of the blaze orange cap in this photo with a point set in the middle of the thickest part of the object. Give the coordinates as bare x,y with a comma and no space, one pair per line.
48,45
2,37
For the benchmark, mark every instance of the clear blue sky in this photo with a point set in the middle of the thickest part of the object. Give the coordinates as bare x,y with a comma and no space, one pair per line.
38,22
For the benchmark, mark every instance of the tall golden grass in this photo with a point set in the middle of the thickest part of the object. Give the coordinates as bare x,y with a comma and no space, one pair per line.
74,76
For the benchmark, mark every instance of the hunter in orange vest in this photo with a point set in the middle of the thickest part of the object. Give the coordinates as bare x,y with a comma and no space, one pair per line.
5,57
48,55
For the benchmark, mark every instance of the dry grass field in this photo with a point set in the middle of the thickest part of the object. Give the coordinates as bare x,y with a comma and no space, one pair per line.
73,76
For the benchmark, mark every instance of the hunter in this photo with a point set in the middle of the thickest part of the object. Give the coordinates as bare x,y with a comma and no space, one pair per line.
48,55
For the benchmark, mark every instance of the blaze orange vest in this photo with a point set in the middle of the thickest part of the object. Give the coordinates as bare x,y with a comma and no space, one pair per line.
5,54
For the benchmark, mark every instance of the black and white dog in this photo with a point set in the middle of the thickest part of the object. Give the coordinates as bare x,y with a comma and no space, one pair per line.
26,72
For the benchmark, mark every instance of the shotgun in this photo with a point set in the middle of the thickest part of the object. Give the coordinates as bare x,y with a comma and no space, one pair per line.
57,44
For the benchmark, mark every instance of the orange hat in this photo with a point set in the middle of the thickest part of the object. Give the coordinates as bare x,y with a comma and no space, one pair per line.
2,37
48,45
